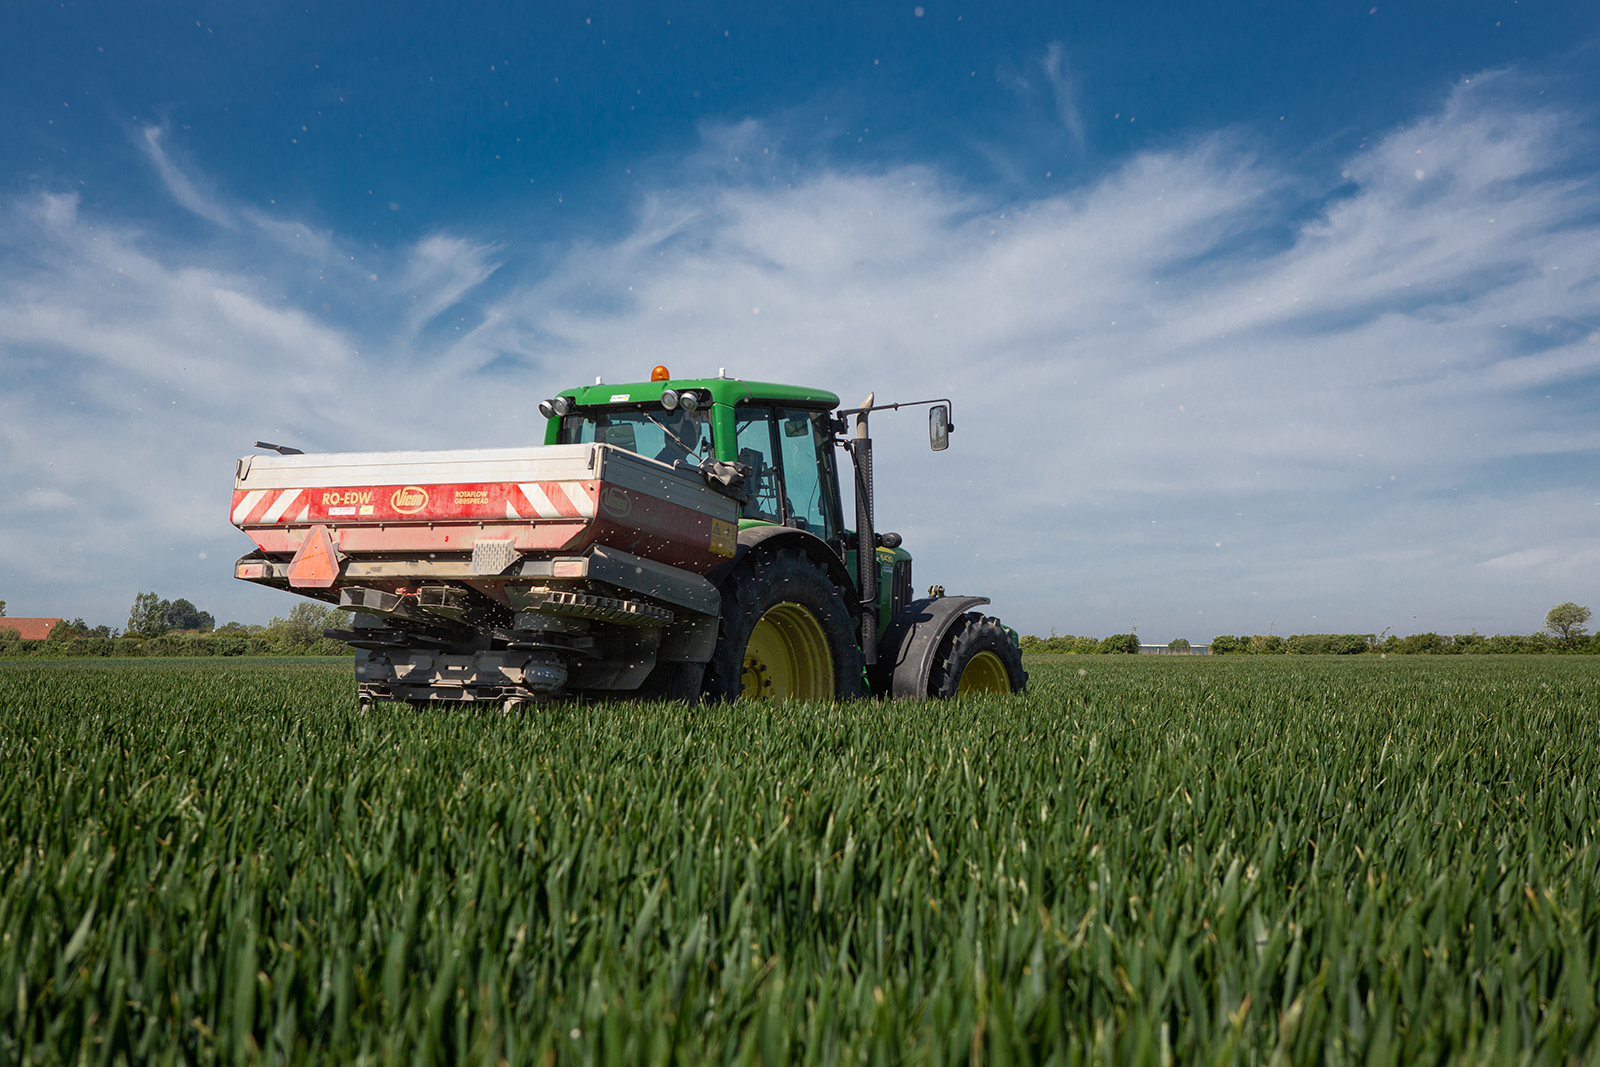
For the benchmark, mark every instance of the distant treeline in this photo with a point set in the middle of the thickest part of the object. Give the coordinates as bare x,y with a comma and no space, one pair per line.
1428,644
298,635
1336,644
1080,646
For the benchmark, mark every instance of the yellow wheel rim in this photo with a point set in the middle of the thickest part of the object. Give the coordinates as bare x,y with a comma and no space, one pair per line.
787,657
984,674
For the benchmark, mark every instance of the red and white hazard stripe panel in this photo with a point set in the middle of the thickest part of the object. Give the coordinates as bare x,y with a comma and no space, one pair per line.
477,502
267,506
549,500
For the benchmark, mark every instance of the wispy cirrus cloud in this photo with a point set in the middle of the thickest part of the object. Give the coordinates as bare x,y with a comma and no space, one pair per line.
1189,394
1064,87
439,271
178,183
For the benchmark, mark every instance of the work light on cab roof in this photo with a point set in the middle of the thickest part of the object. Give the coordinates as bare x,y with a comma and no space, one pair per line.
688,400
674,539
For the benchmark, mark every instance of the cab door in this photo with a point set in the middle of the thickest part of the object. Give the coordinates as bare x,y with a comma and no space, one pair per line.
811,486
793,480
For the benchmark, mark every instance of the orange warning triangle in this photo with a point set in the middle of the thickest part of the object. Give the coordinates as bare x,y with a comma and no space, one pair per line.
316,565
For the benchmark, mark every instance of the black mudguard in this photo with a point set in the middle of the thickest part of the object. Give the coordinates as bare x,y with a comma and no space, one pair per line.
906,653
809,543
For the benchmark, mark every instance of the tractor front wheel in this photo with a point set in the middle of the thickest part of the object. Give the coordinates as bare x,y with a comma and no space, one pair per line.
977,656
785,634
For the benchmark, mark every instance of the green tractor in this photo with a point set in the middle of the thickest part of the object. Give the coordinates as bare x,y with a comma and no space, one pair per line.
810,609
670,539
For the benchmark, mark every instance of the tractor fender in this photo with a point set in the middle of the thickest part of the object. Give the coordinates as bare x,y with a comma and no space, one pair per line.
905,655
769,538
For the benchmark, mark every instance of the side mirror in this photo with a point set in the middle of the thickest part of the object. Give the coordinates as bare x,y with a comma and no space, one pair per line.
938,427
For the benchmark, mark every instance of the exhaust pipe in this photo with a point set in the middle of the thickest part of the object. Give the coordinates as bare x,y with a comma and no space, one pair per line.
866,539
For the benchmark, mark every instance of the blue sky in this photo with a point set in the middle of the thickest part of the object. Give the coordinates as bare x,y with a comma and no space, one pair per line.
1258,317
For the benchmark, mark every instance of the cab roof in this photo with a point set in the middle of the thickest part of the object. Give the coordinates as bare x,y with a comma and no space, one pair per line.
729,391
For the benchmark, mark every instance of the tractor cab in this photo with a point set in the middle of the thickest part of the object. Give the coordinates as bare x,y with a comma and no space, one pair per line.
787,440
787,446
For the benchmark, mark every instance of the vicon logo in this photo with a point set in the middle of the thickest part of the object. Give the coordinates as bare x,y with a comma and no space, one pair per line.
615,502
409,499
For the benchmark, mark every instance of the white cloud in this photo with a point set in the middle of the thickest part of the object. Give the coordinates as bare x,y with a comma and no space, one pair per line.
440,271
297,236
1064,86
1353,405
179,184
46,500
1568,560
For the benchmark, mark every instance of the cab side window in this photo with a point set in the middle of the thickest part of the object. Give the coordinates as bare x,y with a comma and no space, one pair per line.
807,446
753,434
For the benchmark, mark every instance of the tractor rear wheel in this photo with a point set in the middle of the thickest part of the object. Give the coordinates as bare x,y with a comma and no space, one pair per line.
977,656
785,634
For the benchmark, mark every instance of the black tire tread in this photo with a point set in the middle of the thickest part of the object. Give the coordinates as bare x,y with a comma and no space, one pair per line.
974,633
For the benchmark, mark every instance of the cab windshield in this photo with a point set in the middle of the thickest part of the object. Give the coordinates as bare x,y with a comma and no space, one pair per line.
667,436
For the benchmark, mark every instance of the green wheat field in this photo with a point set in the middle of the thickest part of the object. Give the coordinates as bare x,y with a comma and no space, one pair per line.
1141,861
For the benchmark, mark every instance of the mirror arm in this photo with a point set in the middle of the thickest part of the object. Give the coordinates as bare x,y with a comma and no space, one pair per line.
901,404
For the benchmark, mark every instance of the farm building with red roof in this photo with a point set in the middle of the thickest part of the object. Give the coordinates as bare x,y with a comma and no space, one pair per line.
30,629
